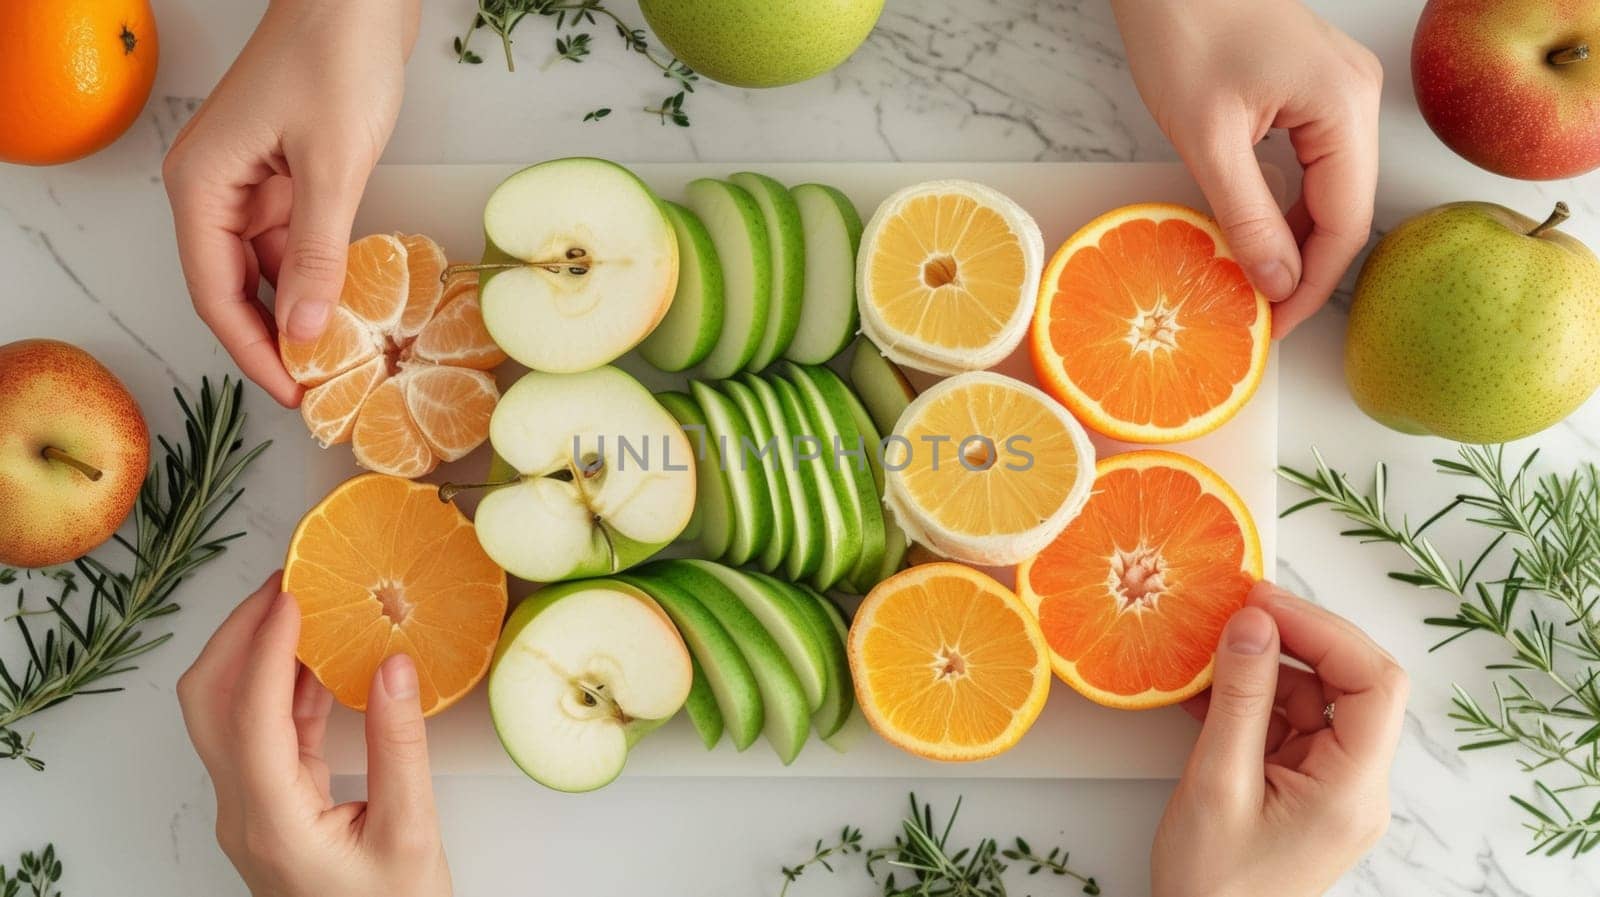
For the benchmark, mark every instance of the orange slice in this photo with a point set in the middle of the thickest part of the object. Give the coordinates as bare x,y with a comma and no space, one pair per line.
1147,328
1133,595
382,567
398,372
948,664
986,469
948,275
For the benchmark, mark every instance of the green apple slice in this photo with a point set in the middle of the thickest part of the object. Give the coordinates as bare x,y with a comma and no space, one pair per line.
840,530
787,243
694,321
881,384
739,235
566,703
785,622
805,508
787,715
838,690
701,708
823,393
828,313
768,464
604,477
854,728
746,483
717,656
895,541
580,264
711,524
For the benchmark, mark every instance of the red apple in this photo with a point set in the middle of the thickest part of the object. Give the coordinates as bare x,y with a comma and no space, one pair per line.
1512,85
73,452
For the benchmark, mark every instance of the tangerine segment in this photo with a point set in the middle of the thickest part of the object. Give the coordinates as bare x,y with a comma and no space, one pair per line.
456,335
387,439
1147,328
377,281
382,567
450,407
425,264
986,469
948,664
346,344
1134,593
330,410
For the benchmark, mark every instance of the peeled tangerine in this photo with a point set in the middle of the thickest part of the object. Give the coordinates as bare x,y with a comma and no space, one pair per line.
400,371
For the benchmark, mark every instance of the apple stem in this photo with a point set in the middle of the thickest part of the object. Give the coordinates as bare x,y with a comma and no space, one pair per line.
1561,213
576,262
1569,55
54,454
449,491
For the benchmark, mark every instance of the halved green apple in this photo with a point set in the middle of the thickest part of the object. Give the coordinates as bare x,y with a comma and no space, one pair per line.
580,263
603,477
582,671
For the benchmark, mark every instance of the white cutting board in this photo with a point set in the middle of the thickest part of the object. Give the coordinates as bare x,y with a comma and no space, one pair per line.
1073,738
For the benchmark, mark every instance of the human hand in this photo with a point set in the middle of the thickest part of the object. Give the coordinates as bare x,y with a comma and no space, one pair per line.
1217,74
257,720
265,178
1276,799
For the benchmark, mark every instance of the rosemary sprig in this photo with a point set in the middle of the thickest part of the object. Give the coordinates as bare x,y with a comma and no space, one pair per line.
849,843
922,853
501,17
173,518
1542,610
39,872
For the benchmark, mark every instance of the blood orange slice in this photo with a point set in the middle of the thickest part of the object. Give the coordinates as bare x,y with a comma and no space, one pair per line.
1133,595
948,664
1147,328
382,567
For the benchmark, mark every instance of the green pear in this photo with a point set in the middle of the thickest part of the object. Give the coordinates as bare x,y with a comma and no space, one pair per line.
761,43
1475,323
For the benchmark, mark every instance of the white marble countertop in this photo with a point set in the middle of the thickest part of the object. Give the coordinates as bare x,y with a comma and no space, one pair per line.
89,257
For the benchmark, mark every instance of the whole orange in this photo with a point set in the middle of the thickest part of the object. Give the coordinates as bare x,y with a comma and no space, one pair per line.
74,74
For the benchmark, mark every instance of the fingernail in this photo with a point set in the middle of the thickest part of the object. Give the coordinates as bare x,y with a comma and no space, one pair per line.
1264,592
399,677
1273,279
1249,632
307,319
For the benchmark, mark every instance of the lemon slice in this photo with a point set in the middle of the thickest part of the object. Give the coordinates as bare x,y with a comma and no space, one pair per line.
986,469
948,276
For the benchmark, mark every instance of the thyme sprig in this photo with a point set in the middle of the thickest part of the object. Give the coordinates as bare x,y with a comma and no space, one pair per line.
573,44
1542,609
921,862
38,872
179,506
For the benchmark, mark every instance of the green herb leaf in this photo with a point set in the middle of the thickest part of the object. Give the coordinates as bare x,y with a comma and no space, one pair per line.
1541,609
